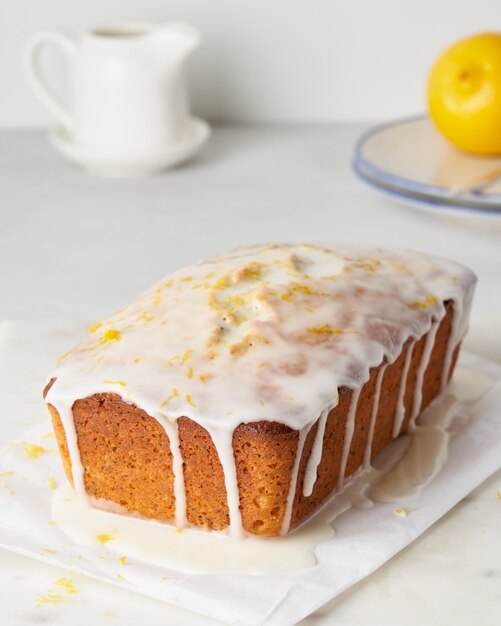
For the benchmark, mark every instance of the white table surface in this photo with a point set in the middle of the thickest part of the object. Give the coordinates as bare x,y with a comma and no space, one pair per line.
74,247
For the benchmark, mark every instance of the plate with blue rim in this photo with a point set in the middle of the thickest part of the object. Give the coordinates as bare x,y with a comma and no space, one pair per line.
409,161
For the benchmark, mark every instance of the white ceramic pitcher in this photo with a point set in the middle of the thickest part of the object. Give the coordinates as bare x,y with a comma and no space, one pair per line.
127,85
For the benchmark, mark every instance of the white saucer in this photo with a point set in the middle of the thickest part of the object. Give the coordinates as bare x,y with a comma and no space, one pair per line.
124,165
409,161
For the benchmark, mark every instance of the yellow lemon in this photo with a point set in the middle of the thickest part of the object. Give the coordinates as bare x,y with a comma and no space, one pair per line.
464,94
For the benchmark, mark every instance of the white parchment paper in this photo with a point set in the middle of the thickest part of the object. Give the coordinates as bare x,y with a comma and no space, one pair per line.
365,538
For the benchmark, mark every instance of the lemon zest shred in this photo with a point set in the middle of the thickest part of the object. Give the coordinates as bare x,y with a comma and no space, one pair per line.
109,335
325,329
186,356
52,483
304,289
174,394
146,317
94,327
50,598
120,577
170,362
189,400
67,585
104,538
64,356
115,382
425,303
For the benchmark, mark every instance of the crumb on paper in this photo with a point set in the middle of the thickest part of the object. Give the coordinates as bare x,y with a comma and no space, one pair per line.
67,585
104,538
402,512
53,597
50,598
120,577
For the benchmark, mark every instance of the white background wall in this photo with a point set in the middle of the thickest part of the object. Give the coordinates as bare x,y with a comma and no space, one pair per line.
268,60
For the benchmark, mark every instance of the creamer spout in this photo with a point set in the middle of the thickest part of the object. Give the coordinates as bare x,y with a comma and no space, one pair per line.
179,38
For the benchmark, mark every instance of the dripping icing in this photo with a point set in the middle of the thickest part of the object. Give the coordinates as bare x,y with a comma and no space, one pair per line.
77,469
286,523
172,432
223,442
400,412
310,475
375,408
455,337
264,333
423,365
348,436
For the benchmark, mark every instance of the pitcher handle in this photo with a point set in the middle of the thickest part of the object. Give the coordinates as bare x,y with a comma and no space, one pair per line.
37,79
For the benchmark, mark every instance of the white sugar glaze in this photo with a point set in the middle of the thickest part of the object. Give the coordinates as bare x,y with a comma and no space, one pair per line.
262,333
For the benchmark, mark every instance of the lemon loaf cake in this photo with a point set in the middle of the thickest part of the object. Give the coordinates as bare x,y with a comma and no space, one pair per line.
242,392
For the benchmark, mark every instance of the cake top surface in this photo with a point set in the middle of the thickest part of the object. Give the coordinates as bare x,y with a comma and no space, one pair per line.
263,333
